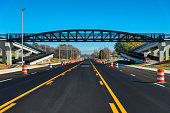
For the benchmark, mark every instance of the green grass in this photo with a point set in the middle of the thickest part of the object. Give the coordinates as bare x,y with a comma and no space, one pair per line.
124,62
162,66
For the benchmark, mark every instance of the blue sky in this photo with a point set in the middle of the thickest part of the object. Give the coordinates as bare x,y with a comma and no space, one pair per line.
139,16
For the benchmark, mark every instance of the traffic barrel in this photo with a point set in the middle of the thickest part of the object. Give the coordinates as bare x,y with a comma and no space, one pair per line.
104,62
160,76
111,64
67,61
61,63
50,65
116,65
24,69
64,62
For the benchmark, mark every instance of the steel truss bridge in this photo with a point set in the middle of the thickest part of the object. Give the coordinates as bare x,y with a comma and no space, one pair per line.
86,35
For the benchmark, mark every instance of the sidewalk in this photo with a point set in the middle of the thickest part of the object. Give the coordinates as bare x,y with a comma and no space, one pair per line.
147,68
4,71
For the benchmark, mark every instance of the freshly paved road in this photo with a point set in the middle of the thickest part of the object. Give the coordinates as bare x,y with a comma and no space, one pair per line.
84,87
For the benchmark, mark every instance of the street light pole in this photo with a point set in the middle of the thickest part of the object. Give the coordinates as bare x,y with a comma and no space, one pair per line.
22,36
67,53
73,53
59,53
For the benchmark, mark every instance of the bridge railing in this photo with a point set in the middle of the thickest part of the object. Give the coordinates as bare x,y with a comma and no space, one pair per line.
86,35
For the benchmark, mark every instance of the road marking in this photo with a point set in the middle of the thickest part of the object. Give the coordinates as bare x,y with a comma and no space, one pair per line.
6,108
96,74
121,70
113,107
122,109
6,80
47,69
49,82
132,75
159,84
101,83
33,89
34,73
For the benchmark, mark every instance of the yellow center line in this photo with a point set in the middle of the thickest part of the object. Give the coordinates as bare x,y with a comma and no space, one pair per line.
6,108
20,96
111,92
101,83
113,107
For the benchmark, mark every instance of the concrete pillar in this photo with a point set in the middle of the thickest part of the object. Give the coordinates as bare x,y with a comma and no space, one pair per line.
9,57
146,53
9,53
17,53
28,54
49,60
3,56
167,54
155,52
161,50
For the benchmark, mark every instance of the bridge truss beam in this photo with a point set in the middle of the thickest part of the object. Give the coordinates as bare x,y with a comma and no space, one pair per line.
86,35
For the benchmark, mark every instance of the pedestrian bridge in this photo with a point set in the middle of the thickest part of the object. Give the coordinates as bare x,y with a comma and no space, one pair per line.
77,35
86,35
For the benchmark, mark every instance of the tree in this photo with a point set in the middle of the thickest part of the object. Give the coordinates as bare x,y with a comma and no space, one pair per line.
104,53
126,46
34,44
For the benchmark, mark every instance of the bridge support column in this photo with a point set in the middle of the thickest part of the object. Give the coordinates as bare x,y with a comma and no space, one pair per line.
3,56
28,54
9,53
155,52
167,54
161,50
17,53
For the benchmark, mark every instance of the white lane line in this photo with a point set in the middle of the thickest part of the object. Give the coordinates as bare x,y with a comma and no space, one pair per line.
47,69
132,75
121,70
34,73
159,84
6,80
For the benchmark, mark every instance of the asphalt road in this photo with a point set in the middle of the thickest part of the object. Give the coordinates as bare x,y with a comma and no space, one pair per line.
84,87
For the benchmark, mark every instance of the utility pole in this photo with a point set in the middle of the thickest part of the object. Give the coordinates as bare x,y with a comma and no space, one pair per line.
45,49
59,53
101,53
22,35
73,53
67,53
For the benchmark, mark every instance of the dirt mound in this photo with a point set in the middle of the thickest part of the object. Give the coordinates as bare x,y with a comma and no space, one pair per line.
163,62
4,66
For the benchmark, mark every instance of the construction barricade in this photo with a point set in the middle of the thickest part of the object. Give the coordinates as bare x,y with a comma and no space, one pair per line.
160,76
24,69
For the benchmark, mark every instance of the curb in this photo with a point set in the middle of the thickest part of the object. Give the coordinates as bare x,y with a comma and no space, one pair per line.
5,71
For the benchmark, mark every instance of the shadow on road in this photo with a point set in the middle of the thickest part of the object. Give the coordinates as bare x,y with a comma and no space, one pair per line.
144,82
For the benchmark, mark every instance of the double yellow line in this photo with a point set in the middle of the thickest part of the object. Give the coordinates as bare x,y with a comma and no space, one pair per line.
112,105
10,103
